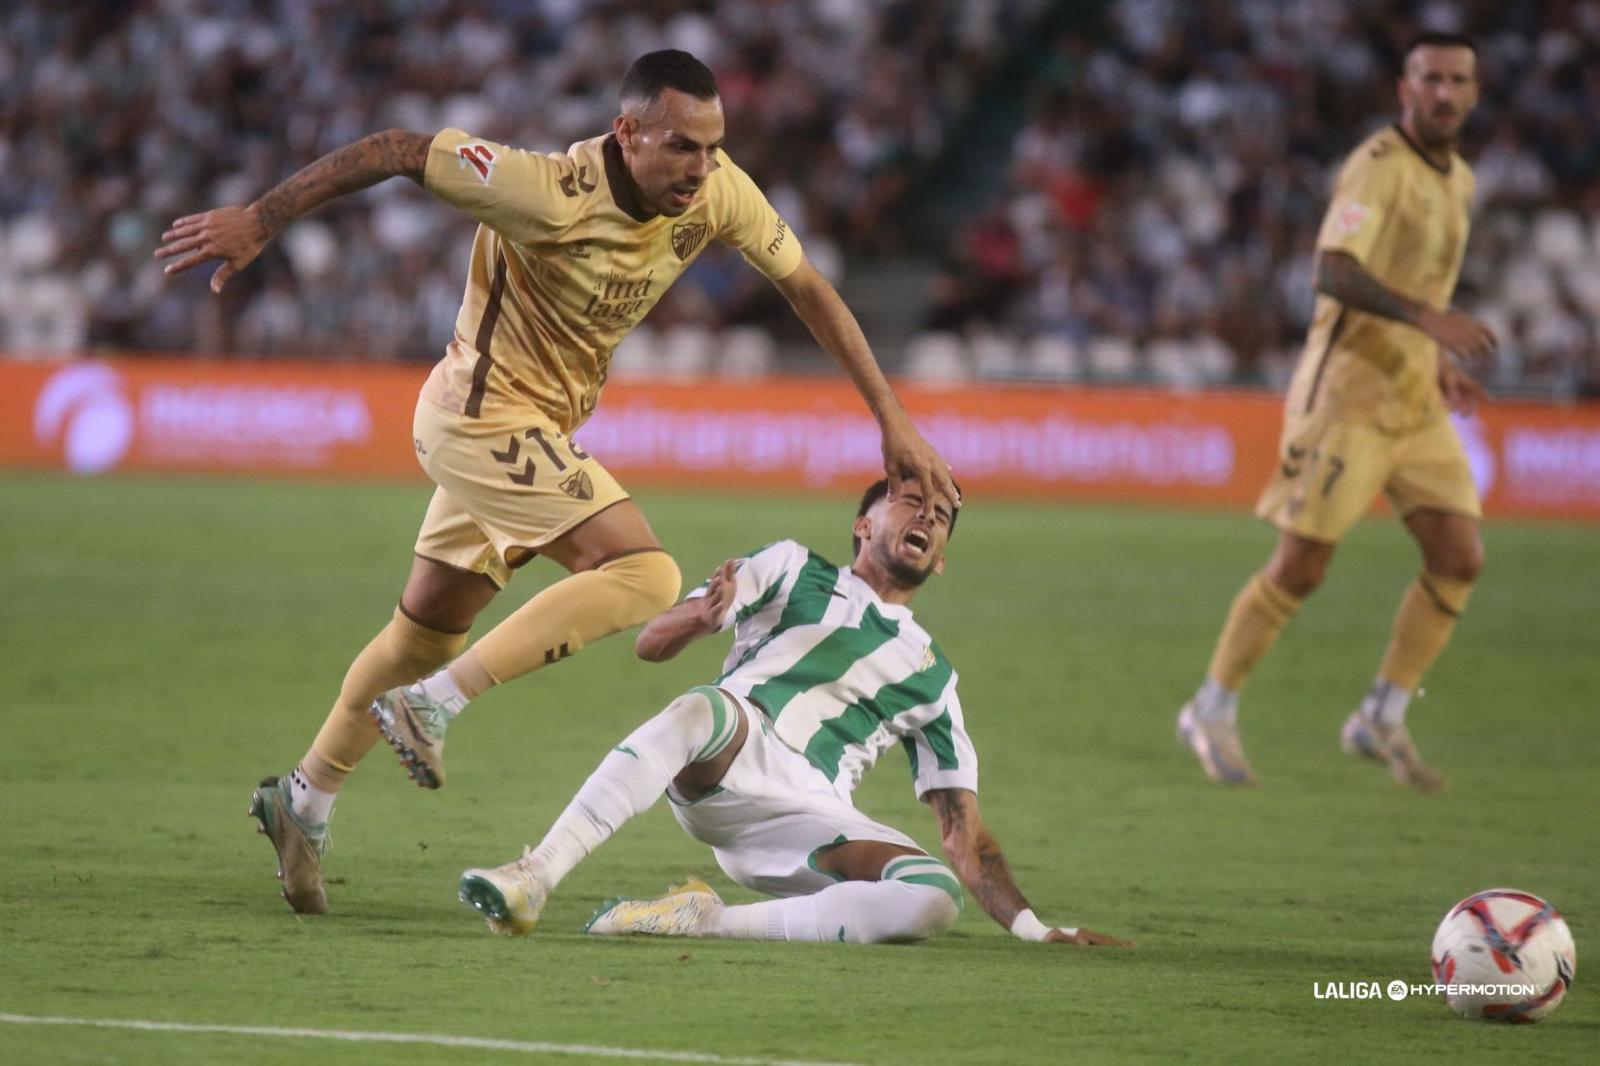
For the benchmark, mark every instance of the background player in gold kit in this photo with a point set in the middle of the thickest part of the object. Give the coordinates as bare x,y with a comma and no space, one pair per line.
572,251
1368,410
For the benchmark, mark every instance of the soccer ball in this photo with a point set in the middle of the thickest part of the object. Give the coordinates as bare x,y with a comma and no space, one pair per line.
1503,955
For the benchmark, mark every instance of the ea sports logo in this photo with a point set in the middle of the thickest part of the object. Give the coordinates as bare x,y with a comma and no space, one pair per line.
86,409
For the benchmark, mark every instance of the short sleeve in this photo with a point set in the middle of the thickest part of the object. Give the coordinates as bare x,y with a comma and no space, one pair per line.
759,580
941,753
748,222
1363,197
514,192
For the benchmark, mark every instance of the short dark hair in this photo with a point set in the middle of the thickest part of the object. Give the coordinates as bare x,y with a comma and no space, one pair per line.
877,491
1437,39
670,68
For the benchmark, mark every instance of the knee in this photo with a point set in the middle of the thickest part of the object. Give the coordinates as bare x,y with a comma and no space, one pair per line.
421,650
931,897
691,711
652,575
927,912
1462,563
1298,573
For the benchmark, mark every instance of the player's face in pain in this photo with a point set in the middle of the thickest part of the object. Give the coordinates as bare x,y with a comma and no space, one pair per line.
900,542
671,148
1439,90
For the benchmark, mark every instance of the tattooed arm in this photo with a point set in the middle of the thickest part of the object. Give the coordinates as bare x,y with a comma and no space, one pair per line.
1341,276
982,868
237,234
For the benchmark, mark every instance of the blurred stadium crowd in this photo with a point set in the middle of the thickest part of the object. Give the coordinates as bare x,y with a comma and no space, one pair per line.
119,117
1155,219
1165,193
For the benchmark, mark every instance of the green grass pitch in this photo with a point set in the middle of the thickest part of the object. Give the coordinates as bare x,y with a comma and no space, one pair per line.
165,643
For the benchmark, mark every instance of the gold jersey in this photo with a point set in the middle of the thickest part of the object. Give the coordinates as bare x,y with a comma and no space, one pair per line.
1406,221
566,262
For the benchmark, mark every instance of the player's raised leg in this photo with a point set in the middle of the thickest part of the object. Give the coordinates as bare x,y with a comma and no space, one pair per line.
1208,723
691,744
1452,554
429,627
621,576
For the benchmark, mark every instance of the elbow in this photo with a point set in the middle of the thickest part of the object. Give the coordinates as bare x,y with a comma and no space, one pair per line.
647,648
1329,268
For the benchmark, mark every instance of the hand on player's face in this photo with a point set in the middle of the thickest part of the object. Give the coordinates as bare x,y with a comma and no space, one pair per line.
908,457
671,148
909,534
232,234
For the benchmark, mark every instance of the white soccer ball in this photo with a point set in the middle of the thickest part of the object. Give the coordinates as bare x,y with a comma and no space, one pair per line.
1503,955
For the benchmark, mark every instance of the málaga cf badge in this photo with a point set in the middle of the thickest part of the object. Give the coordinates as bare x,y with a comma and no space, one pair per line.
686,237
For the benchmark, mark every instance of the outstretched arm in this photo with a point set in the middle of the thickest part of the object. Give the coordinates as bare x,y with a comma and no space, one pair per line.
905,453
676,628
1341,276
983,869
237,234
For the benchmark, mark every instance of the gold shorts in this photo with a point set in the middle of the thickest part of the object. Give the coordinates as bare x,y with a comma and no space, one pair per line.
508,485
1330,470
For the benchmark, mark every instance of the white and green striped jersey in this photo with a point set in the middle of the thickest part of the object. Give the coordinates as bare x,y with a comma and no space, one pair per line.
843,675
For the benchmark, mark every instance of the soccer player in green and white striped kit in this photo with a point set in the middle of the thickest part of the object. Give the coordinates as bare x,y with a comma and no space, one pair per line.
828,671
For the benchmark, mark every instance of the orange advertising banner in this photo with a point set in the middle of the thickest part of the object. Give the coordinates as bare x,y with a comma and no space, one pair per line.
352,420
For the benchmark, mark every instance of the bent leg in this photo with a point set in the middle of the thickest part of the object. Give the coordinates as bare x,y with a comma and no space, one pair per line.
1452,558
428,629
695,738
1259,613
620,577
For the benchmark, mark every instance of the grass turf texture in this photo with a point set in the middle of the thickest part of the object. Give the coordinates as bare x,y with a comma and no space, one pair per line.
167,643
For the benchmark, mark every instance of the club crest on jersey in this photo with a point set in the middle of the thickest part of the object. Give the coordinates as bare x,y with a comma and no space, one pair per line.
480,157
1350,217
578,486
686,237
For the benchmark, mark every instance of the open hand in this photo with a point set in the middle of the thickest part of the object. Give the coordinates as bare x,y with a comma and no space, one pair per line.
711,607
1087,937
232,234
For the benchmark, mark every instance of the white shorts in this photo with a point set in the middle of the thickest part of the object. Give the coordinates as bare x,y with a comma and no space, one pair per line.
773,813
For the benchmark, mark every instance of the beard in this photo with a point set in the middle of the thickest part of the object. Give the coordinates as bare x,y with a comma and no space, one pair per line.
906,575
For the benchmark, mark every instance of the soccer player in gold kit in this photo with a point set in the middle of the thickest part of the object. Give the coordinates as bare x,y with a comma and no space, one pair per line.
1368,410
572,250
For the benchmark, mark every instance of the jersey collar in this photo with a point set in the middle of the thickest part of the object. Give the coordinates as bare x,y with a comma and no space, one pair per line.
888,610
1417,148
621,184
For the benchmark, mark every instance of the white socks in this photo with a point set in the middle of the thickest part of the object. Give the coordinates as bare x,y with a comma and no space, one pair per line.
695,727
917,898
854,912
1213,703
442,689
1385,704
310,804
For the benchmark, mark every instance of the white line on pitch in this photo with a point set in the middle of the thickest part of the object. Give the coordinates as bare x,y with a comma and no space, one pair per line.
356,1036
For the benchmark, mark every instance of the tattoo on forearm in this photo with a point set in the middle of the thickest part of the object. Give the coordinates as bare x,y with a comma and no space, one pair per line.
976,855
344,170
1344,279
996,890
